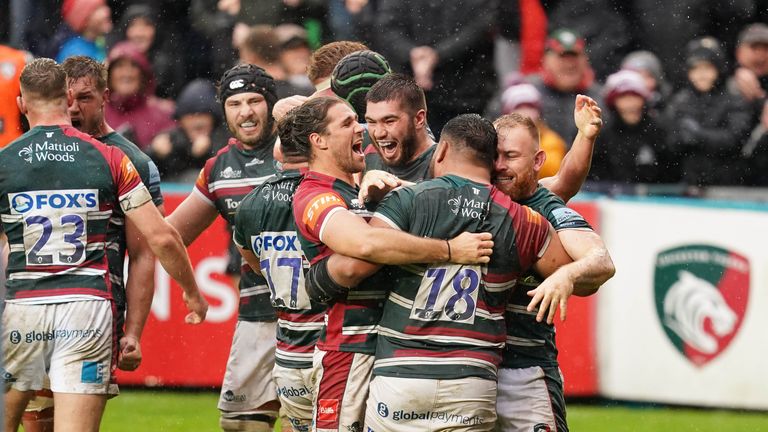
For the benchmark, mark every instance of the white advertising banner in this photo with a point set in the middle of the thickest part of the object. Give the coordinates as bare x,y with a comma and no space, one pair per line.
685,319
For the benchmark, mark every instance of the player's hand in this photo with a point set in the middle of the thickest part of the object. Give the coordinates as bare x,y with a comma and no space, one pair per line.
471,248
197,306
376,184
588,116
551,294
284,105
129,358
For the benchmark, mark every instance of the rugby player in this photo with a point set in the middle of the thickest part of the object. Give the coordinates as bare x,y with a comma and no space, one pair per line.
327,216
442,328
87,80
265,234
247,93
55,211
530,383
321,66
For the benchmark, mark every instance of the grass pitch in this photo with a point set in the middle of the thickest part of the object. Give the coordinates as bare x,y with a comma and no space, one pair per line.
165,411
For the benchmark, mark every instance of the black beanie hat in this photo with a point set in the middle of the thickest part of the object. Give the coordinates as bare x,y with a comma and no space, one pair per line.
247,78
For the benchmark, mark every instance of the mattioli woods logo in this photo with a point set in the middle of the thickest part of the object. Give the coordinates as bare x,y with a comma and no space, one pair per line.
702,293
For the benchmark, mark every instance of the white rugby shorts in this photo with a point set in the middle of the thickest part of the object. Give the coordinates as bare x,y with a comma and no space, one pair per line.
73,341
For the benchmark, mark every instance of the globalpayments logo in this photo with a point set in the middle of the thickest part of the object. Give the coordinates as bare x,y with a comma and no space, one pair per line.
49,151
702,292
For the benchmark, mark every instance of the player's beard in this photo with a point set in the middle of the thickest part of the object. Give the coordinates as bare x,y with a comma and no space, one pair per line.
521,188
407,145
263,137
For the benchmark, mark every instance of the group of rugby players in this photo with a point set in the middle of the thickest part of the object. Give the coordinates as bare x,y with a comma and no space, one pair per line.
417,296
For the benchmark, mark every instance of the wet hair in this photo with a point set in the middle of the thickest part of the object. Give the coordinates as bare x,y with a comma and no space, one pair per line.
263,42
398,87
515,120
300,122
324,60
473,133
43,79
81,66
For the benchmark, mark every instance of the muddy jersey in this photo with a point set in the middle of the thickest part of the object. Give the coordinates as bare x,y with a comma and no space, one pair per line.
264,225
58,190
116,243
415,171
350,322
442,320
529,342
223,182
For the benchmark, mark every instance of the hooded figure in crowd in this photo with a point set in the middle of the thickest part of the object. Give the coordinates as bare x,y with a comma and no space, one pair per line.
133,109
708,125
138,25
632,146
197,136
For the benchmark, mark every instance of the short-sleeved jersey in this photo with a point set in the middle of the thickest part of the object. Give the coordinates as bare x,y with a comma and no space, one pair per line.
116,242
446,321
264,225
416,170
58,190
351,322
529,342
223,182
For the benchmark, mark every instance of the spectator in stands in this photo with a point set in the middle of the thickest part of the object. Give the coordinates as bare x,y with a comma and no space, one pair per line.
750,80
90,21
648,65
139,26
631,148
181,152
565,73
601,23
708,125
448,48
755,152
133,109
524,99
294,52
262,48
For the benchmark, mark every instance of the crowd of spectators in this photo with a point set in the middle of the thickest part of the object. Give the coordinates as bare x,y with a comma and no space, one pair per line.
682,83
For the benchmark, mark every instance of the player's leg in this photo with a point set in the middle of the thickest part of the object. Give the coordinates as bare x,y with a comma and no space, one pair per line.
24,357
83,359
78,412
294,389
15,401
529,400
38,417
248,400
341,390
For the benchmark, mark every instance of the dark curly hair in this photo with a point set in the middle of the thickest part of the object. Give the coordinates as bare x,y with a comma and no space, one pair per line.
299,123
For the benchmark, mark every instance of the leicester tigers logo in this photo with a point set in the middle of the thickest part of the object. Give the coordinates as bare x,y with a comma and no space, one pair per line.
701,296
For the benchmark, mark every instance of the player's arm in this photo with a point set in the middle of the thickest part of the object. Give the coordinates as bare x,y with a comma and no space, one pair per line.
575,165
139,291
555,290
333,276
592,265
348,234
192,217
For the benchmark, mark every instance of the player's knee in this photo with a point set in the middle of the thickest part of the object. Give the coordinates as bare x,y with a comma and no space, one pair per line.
247,423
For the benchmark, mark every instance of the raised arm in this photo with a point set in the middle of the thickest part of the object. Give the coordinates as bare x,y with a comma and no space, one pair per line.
575,165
